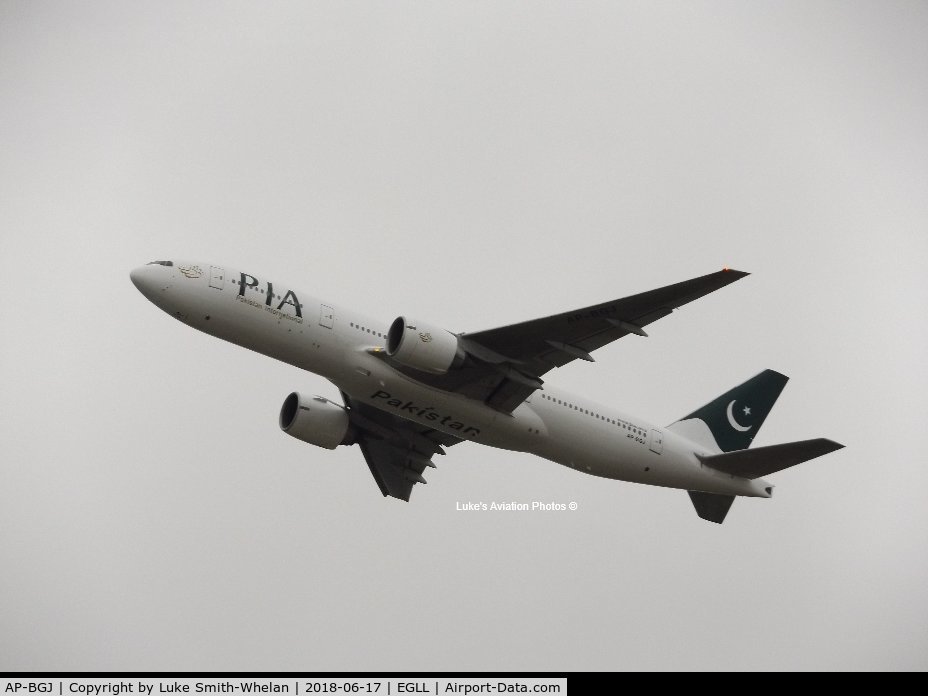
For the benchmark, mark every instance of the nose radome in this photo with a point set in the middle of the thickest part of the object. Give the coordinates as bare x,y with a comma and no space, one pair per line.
145,278
136,275
151,280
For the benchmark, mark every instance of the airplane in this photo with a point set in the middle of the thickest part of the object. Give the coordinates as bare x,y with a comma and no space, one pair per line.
410,388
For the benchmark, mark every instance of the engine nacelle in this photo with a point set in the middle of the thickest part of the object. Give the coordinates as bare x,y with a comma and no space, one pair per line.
423,347
315,420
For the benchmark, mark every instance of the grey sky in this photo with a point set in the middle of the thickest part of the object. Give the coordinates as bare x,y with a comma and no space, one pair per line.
472,164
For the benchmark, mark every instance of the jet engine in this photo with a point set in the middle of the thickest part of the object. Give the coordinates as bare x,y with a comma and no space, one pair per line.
315,420
423,347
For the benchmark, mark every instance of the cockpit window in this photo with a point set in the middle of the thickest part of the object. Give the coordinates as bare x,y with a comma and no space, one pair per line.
160,263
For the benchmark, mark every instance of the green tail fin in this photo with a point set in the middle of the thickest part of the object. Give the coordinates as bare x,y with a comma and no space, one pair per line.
735,417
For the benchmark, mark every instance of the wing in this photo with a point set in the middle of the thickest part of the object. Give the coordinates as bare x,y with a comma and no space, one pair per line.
504,365
397,451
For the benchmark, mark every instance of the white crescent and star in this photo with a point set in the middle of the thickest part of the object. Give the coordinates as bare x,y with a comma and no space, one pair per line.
731,418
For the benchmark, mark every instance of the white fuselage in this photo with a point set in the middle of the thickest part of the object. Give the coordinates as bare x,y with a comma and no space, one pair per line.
341,345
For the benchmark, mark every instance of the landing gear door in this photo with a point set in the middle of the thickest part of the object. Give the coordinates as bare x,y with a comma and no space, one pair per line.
216,276
326,316
657,441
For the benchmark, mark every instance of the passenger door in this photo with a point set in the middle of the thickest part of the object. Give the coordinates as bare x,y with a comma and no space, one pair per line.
657,441
216,276
326,316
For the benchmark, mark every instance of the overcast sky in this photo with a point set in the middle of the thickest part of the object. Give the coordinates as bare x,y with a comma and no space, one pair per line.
473,164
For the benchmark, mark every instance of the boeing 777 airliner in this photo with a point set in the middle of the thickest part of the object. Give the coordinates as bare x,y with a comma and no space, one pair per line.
411,388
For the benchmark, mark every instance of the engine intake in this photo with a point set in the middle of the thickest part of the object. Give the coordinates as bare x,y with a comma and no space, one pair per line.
423,347
315,420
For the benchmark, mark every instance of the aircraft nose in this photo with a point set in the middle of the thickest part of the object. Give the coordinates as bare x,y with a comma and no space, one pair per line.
151,280
137,276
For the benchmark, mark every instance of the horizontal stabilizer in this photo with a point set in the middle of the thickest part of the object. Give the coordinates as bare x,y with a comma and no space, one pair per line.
760,461
711,506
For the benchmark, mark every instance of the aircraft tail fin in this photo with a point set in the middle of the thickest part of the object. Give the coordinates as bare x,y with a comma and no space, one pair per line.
731,421
755,463
711,506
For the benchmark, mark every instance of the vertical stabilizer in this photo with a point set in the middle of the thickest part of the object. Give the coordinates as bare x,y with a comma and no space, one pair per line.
734,418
